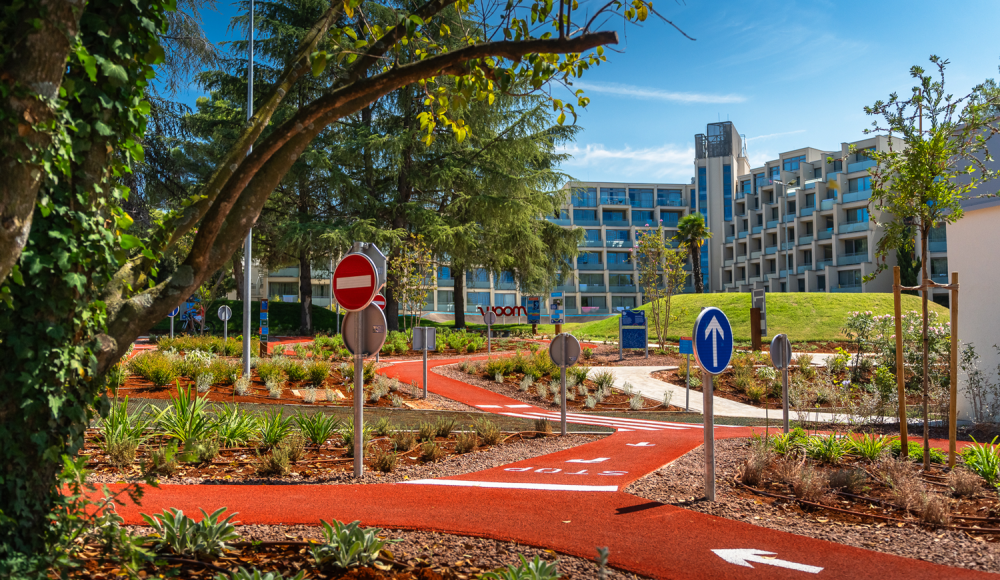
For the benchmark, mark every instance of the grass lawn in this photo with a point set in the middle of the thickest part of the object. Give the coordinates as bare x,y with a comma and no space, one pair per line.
803,316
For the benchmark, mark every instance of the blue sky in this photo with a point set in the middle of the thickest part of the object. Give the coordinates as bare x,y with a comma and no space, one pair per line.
787,73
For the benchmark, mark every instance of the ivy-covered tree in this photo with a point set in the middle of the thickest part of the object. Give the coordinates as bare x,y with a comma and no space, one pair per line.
937,156
72,114
692,231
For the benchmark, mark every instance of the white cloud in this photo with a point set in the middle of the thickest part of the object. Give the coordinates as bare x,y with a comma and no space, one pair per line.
595,162
760,137
657,94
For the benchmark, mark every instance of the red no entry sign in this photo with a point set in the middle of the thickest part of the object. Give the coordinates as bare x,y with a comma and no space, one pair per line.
379,301
355,282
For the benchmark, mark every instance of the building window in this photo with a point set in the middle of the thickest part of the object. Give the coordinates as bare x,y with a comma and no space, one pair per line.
745,188
614,216
590,304
584,216
321,290
592,235
618,235
817,173
810,200
849,278
627,302
561,214
939,270
640,197
585,197
727,192
476,299
619,258
703,190
589,258
838,165
503,299
669,218
859,184
614,196
284,289
591,280
865,154
621,279
446,297
856,246
775,172
444,273
758,181
857,215
670,197
478,275
792,163
942,299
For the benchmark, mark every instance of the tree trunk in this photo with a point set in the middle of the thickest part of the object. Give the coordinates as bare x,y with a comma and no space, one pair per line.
699,286
392,309
238,274
459,275
924,230
306,292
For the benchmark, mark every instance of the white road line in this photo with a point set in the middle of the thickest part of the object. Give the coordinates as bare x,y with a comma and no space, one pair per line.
510,485
535,415
490,406
519,406
609,422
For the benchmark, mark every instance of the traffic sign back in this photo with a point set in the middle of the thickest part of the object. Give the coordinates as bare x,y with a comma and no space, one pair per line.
713,340
373,331
564,350
225,312
379,301
781,351
355,282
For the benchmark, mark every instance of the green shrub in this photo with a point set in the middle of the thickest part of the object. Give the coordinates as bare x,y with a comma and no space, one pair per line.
382,427
829,449
527,570
756,392
869,446
465,442
186,417
295,370
317,371
579,374
588,353
162,460
443,427
981,458
317,427
270,371
185,537
196,451
488,431
426,432
156,367
384,461
346,432
403,441
347,545
122,432
274,427
430,452
604,380
233,427
275,463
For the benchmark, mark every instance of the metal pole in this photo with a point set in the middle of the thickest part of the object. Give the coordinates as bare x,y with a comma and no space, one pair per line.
425,365
706,379
953,402
172,327
359,397
489,334
687,386
562,380
621,355
225,329
784,395
247,244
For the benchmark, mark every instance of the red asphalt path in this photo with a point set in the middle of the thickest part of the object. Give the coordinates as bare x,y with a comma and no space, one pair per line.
570,501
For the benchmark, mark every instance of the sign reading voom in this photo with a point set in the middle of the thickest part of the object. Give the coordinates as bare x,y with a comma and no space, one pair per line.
505,310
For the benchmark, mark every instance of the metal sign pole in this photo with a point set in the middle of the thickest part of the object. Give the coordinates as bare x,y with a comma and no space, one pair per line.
425,368
687,387
562,380
709,436
784,396
621,355
359,397
489,335
225,329
171,327
645,331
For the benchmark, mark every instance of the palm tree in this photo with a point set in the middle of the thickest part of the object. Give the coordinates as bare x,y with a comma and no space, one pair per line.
692,232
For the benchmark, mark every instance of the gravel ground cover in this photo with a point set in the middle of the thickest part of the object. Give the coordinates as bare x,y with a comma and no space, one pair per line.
682,484
515,449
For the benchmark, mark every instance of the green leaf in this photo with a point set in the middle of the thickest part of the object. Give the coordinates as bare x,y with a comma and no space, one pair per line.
102,129
128,242
319,63
115,72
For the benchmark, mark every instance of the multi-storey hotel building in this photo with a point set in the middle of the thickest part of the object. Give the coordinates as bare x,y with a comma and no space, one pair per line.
798,223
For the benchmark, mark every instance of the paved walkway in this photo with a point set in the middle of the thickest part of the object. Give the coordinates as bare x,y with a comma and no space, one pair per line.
570,501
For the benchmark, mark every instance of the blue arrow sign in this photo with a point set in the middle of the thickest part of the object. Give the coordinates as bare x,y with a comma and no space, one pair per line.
713,340
174,312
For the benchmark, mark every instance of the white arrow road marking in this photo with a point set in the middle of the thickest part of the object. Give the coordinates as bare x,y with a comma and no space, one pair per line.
715,327
745,556
512,485
354,282
598,460
643,444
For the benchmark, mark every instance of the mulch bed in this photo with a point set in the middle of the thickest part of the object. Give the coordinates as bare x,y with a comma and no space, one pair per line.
618,401
682,483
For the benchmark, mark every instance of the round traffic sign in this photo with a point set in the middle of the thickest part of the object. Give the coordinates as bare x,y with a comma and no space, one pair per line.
713,340
379,301
174,312
564,350
781,351
490,318
355,282
373,330
225,312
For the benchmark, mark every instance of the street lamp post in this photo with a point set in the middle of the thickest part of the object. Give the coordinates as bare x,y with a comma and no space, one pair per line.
247,244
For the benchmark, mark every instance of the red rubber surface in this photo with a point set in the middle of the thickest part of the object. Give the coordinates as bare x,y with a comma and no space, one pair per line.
644,537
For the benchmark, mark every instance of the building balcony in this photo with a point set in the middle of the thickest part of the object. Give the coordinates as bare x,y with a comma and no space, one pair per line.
618,243
824,234
861,165
857,195
849,227
787,245
741,259
561,221
822,264
446,306
477,283
789,218
769,250
804,268
593,310
848,259
614,222
730,239
593,289
757,229
803,240
614,200
582,222
755,255
591,244
728,263
807,211
755,279
742,235
669,202
621,266
565,288
446,283
589,266
585,202
940,278
772,224
624,289
782,273
846,288
292,272
505,286
937,246
826,204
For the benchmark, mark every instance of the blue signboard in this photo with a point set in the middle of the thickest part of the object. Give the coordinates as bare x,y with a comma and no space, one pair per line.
687,346
634,318
533,306
713,340
174,312
556,309
634,337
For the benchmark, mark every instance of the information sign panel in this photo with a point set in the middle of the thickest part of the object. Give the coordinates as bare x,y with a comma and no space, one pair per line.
533,306
424,338
556,308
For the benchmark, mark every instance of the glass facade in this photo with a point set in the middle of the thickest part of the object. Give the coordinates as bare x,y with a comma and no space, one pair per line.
849,278
589,258
619,257
857,215
585,197
627,302
612,216
444,273
614,196
640,217
792,163
641,197
670,197
859,184
727,192
584,215
475,300
703,191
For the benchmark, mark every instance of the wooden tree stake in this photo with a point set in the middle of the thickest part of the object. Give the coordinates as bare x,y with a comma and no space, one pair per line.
904,441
